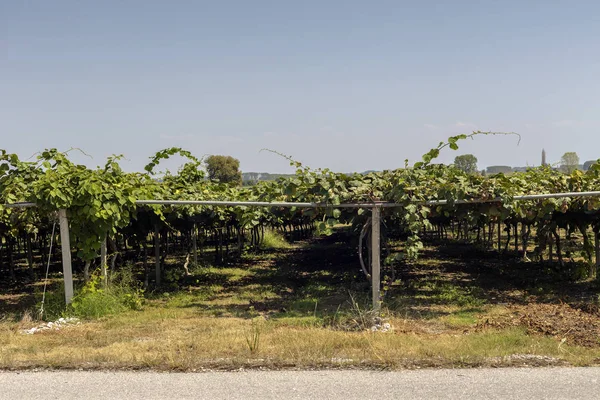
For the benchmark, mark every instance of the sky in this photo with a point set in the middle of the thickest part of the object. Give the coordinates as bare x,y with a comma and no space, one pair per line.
346,85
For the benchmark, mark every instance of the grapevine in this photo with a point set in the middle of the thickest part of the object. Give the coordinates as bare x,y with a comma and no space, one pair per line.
101,203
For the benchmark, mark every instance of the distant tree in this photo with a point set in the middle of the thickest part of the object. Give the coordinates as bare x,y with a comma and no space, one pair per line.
224,169
466,163
588,164
497,169
569,162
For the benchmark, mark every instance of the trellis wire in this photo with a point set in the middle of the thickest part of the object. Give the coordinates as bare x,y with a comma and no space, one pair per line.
344,205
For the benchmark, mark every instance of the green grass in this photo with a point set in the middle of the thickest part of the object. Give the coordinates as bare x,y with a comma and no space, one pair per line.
94,300
462,317
274,240
181,339
449,293
282,308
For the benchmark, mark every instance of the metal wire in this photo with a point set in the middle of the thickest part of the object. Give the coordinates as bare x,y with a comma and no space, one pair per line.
221,203
47,270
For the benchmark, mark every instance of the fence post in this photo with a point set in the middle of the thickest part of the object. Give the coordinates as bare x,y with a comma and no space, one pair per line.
499,235
597,255
65,244
104,262
195,245
157,253
375,256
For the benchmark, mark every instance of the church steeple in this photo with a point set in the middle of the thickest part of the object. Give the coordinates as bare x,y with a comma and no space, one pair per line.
544,158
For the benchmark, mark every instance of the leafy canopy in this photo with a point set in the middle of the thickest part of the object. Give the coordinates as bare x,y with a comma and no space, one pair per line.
569,162
466,163
224,169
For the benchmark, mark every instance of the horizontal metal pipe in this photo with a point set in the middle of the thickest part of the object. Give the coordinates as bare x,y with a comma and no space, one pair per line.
20,205
518,198
225,203
259,204
345,205
557,195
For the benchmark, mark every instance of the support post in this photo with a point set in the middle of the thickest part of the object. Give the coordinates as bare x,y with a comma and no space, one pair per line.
375,256
195,246
103,262
499,235
597,247
65,244
157,253
550,249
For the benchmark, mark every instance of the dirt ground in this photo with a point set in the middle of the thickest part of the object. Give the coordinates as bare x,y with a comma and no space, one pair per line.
451,288
543,298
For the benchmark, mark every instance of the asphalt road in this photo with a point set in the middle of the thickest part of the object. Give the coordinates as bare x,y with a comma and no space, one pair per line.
523,383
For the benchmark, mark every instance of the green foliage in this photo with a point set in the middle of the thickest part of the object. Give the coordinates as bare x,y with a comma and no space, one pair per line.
456,295
466,163
274,240
121,294
569,162
225,169
54,306
100,202
252,335
167,153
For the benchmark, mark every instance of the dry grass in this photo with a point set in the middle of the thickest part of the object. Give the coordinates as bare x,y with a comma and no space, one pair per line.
291,309
181,339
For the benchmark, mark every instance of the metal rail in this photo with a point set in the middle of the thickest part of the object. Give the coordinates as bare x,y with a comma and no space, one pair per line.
375,237
344,205
360,205
518,198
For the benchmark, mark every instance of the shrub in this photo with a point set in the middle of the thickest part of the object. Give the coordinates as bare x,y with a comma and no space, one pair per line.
121,294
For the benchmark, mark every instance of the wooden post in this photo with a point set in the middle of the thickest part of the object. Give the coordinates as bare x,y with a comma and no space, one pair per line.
375,256
103,263
65,244
550,250
195,246
499,235
157,253
597,240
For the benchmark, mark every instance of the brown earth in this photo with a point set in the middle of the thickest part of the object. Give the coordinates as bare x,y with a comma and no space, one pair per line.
565,323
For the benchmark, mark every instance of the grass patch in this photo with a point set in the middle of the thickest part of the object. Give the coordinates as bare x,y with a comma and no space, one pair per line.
180,339
448,293
252,335
274,240
462,318
122,293
291,308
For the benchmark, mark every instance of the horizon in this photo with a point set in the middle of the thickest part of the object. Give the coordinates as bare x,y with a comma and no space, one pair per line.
339,85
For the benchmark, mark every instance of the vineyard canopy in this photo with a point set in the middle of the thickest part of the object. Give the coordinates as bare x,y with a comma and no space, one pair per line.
106,201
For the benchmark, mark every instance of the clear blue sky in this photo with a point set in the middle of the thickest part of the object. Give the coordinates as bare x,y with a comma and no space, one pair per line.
348,85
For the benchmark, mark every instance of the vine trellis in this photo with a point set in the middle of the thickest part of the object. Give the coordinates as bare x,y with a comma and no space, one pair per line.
106,203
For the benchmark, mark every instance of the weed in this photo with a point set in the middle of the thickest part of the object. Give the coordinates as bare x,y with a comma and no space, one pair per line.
252,336
26,317
54,305
356,318
274,240
121,294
